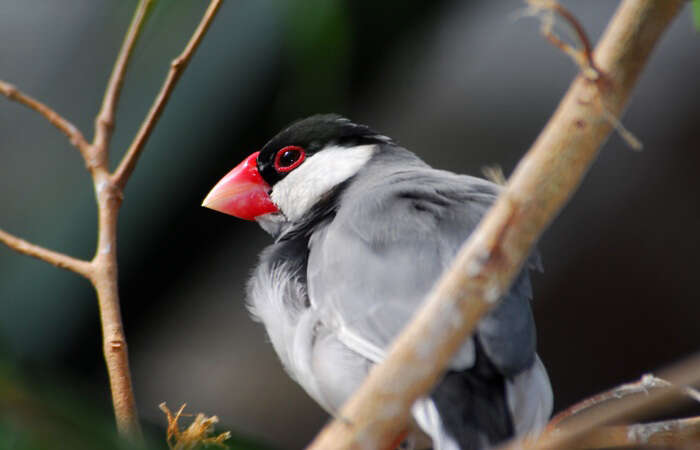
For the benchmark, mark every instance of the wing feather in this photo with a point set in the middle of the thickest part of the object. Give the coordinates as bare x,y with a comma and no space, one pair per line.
390,240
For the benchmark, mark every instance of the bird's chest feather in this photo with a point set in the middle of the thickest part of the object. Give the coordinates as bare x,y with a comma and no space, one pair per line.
306,346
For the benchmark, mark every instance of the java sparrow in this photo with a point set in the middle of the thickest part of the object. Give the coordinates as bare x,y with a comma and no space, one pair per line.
362,229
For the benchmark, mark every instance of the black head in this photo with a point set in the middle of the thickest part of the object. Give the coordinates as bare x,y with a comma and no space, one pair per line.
288,149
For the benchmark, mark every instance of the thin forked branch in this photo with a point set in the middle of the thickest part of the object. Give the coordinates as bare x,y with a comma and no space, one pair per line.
55,258
177,67
102,270
548,10
104,122
109,189
71,131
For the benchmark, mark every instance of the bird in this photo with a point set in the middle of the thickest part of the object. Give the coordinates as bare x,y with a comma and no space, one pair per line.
362,228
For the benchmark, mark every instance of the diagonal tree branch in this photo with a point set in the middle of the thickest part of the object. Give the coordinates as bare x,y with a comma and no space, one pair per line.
71,131
177,67
55,258
104,122
493,255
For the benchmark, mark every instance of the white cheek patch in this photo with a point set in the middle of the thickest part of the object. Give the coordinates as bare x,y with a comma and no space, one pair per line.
299,191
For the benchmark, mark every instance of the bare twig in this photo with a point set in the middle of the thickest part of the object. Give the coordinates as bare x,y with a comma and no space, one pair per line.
676,433
104,122
177,67
643,386
105,281
494,254
102,269
571,428
583,57
108,189
105,275
71,131
547,9
55,258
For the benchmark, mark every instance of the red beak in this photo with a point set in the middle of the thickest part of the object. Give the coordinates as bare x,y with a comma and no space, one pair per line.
242,192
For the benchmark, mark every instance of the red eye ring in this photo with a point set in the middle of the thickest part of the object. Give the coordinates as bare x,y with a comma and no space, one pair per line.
297,159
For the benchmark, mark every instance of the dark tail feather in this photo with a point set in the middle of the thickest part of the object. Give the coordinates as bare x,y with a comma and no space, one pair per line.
473,405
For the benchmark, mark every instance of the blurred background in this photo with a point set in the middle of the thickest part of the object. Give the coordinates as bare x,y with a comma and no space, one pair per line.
463,84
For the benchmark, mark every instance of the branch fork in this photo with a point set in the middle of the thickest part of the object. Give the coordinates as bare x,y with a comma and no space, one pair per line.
102,271
548,11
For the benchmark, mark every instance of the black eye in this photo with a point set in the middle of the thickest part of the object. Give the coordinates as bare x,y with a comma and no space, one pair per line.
289,158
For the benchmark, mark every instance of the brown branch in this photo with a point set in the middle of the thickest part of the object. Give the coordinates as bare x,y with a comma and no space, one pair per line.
643,386
676,433
583,57
572,428
104,122
105,282
102,270
105,274
71,131
108,191
55,258
494,254
177,67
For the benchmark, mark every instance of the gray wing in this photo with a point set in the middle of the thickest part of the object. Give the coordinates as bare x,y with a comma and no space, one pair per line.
370,267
